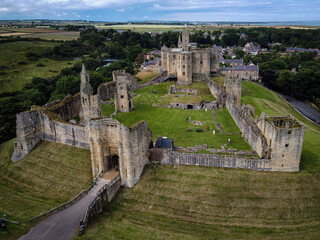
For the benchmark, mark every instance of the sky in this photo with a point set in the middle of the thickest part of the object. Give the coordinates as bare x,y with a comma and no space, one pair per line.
168,10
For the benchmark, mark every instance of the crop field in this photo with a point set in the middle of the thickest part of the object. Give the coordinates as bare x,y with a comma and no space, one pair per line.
190,202
49,176
16,69
144,27
43,33
172,122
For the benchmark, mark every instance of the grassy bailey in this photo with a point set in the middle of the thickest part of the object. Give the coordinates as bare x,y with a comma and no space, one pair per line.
16,69
49,176
172,122
189,202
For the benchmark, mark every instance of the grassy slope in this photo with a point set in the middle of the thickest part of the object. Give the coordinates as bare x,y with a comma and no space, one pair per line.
50,175
189,202
144,77
172,122
14,75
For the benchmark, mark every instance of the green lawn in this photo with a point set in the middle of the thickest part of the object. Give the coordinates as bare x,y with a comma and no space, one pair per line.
189,202
49,176
219,80
227,123
107,109
172,122
269,102
16,69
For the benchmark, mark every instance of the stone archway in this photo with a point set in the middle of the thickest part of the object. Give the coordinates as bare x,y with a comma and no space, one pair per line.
114,162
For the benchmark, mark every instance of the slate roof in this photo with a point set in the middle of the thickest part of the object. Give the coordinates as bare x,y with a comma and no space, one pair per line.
164,143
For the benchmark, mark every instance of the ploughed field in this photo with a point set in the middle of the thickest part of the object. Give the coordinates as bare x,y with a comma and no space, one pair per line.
49,176
172,122
190,202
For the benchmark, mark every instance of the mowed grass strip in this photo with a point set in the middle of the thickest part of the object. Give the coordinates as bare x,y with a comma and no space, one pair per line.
49,176
172,122
189,202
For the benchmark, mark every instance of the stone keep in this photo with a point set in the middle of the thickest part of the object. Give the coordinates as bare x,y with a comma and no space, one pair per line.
90,103
188,63
124,92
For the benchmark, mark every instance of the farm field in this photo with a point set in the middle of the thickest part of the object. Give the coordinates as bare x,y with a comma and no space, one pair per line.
43,33
143,27
16,69
49,176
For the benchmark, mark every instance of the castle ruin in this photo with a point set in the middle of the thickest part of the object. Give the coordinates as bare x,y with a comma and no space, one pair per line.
112,144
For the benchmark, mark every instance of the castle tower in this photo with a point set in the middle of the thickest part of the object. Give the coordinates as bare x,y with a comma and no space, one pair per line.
184,75
124,94
284,136
233,87
185,40
90,104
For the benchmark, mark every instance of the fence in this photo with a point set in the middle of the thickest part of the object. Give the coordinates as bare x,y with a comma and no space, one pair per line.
67,204
97,198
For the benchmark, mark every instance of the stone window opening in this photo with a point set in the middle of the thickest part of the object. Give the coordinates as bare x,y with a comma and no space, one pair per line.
183,57
183,66
282,155
121,96
184,73
287,144
289,132
200,62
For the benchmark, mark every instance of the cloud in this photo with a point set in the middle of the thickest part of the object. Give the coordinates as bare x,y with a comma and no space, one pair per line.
4,9
121,10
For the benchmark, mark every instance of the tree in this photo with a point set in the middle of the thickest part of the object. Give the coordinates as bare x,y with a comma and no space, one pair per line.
285,81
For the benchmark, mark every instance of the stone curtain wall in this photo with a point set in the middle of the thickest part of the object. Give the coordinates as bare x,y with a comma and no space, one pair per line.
249,129
106,91
217,91
34,126
210,160
69,108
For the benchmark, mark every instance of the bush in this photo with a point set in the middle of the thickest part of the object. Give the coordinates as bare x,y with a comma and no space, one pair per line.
40,65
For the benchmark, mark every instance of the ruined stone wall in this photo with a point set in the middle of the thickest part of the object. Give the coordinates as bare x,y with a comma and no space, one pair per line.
34,126
217,91
29,133
106,91
249,129
68,108
188,91
211,160
133,151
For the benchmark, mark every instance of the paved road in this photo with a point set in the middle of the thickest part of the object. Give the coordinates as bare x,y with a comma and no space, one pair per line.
65,224
305,108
